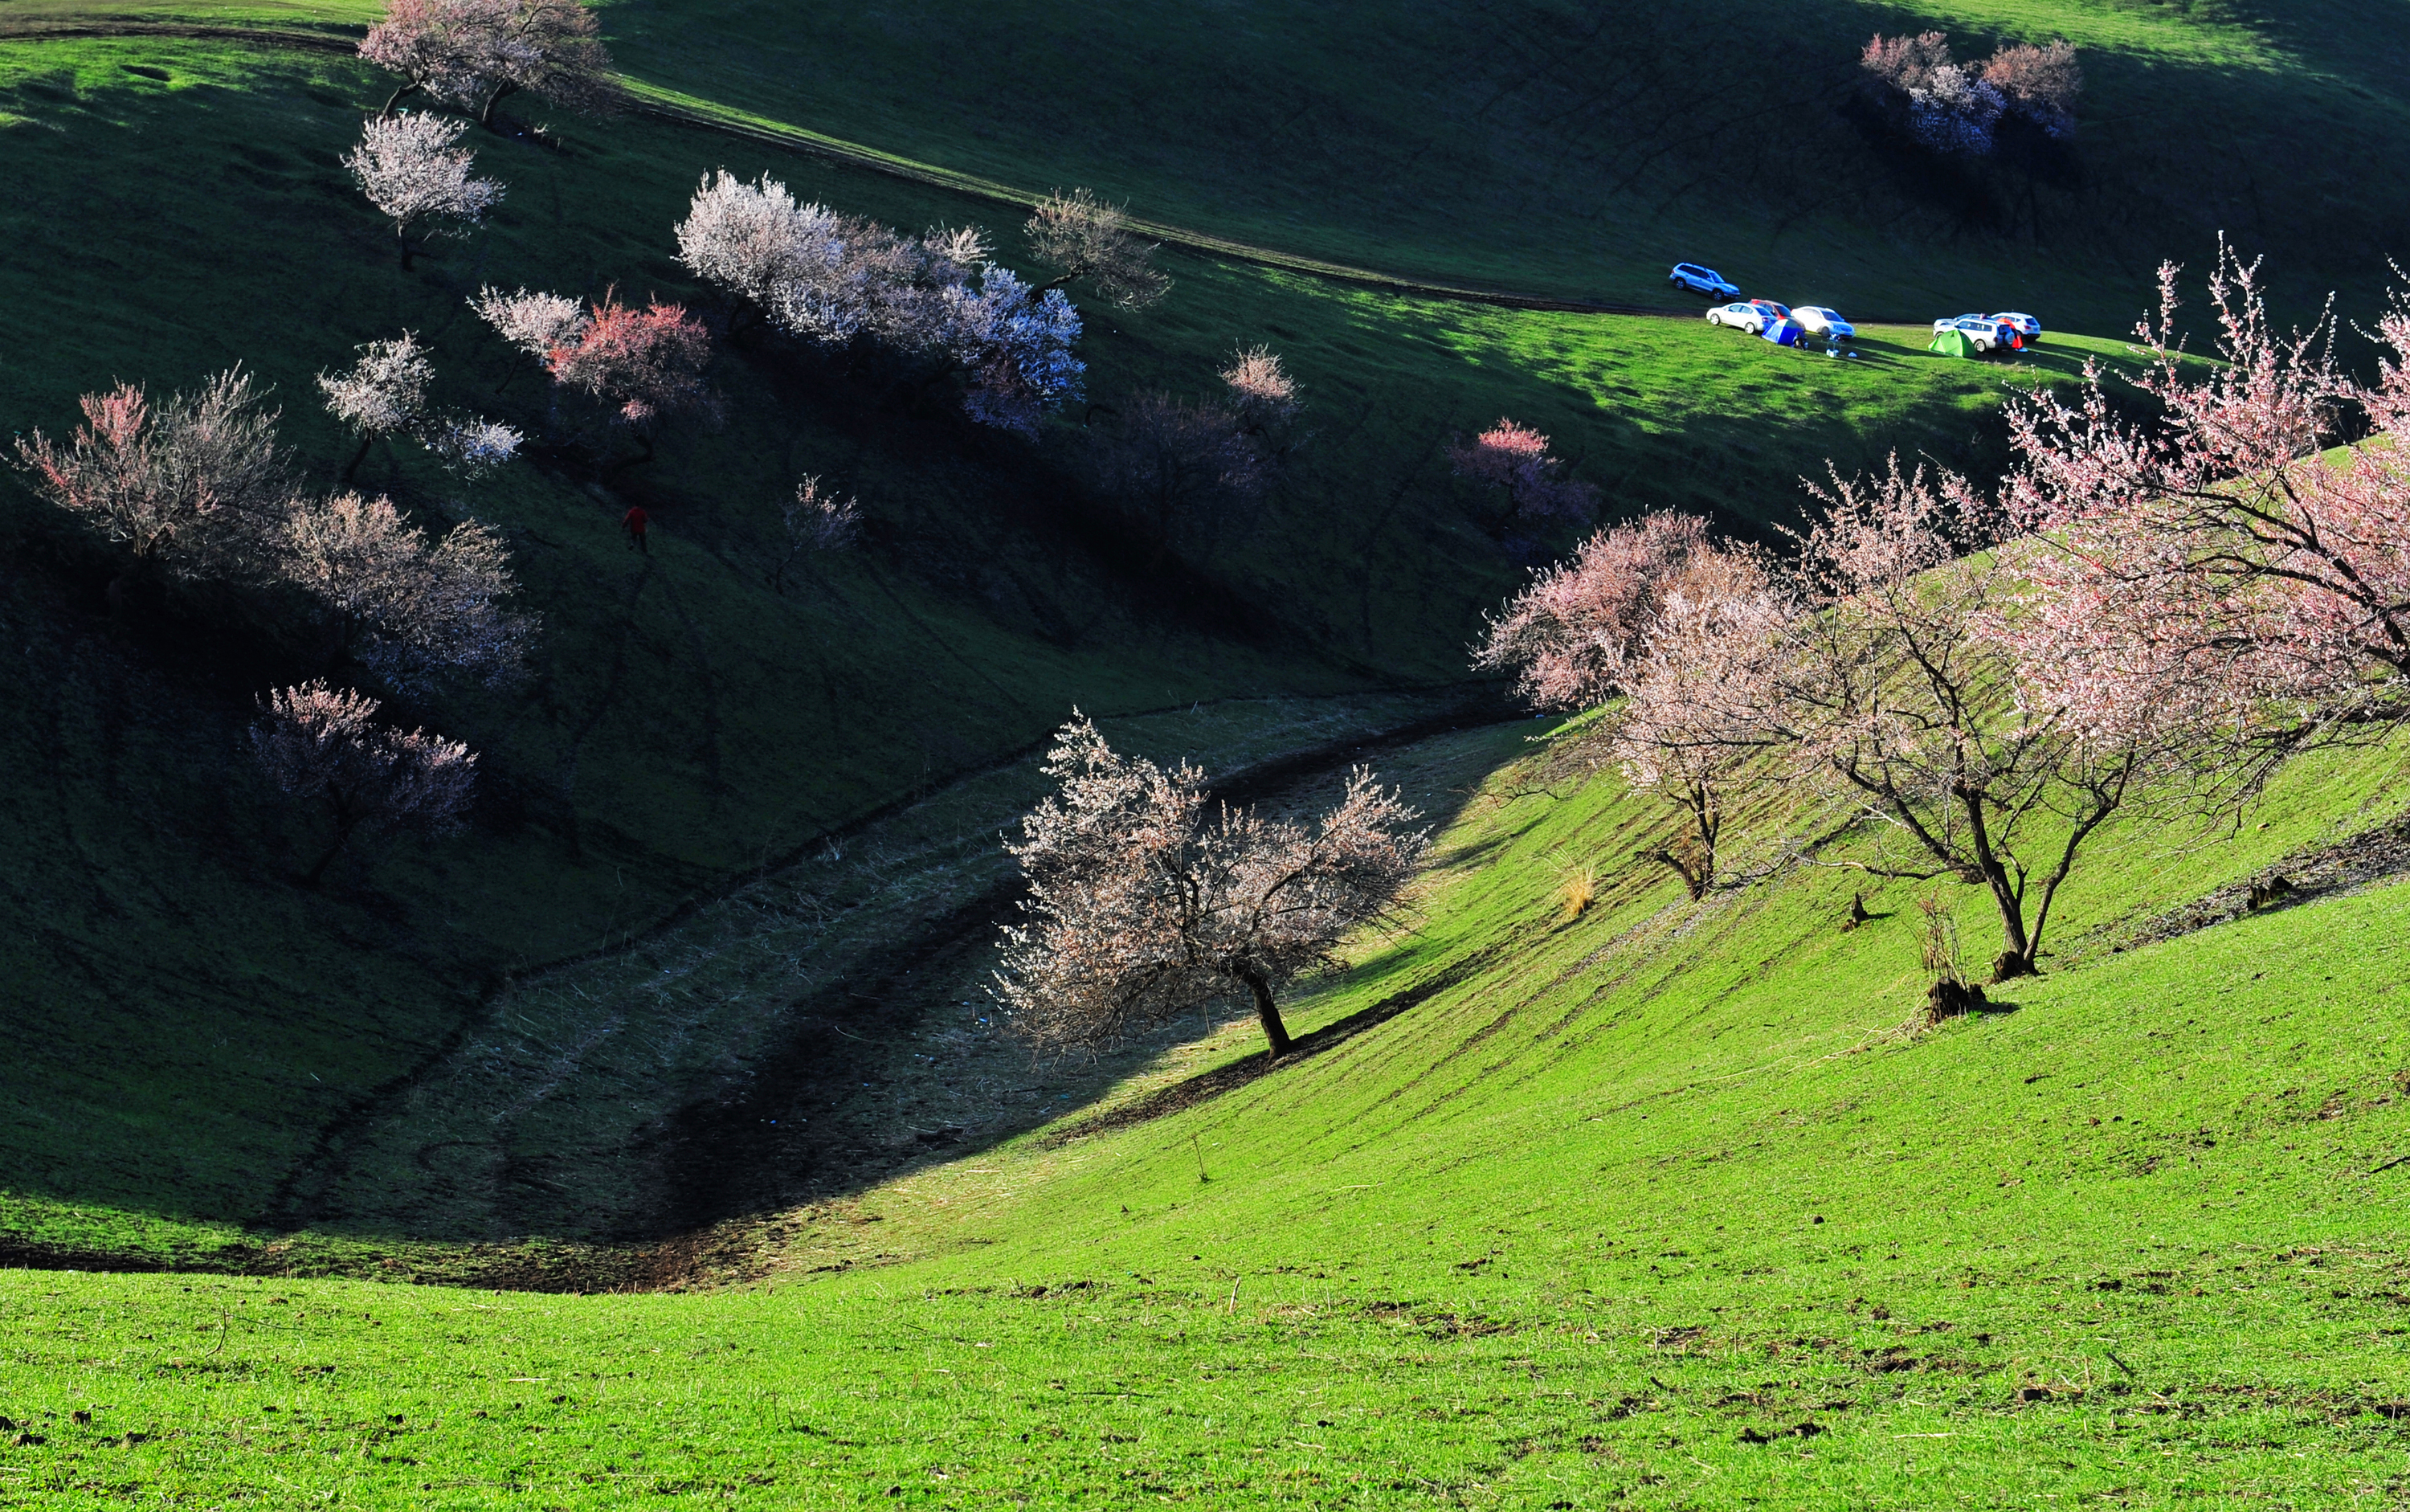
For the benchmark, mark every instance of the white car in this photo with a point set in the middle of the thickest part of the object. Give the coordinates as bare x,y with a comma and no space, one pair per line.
1823,320
2022,324
1988,335
1751,315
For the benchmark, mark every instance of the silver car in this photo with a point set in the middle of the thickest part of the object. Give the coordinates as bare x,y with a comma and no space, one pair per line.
1823,320
1988,335
2022,324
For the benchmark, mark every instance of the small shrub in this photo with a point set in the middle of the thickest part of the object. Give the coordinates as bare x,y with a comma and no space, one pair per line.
1579,890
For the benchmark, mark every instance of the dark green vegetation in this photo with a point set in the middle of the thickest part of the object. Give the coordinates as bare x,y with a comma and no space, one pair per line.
1655,1207
1543,1231
687,722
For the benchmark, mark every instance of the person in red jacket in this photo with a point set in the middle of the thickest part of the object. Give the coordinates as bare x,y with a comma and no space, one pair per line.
633,522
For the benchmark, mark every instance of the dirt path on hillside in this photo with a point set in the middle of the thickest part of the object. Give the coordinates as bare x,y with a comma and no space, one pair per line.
667,105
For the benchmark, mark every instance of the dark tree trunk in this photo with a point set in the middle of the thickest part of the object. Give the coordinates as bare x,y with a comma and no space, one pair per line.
1268,1014
411,86
409,253
1693,878
486,116
345,821
352,471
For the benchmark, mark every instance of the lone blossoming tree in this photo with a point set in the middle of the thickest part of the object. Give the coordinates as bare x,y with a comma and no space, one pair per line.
1514,459
1142,909
321,744
1912,690
411,173
475,54
193,488
1080,236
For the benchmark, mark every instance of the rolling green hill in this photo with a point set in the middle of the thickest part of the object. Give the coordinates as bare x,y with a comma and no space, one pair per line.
688,721
1660,1206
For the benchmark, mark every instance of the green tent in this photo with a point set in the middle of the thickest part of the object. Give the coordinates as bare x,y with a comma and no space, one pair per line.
1954,343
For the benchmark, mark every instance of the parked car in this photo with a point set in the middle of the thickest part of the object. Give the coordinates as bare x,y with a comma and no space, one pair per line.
1825,321
1988,335
1751,315
2022,324
1704,280
1771,310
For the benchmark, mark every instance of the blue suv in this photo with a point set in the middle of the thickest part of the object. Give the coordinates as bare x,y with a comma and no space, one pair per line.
1704,280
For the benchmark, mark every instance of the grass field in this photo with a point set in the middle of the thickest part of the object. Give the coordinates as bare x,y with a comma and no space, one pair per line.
1656,1207
687,720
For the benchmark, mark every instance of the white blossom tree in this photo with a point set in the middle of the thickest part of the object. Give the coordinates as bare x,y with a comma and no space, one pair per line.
408,169
1140,910
410,608
384,394
475,54
1082,236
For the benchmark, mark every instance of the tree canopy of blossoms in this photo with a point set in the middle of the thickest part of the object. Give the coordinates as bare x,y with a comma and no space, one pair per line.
475,53
1141,908
195,487
1957,108
2218,547
1514,459
408,607
1691,724
1082,236
408,169
829,280
323,744
1570,636
384,394
644,367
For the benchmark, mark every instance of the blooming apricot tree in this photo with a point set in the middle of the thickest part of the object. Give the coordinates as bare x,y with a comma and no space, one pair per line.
1082,236
1571,636
1140,909
644,367
321,743
475,53
410,608
193,488
411,173
2220,547
1514,459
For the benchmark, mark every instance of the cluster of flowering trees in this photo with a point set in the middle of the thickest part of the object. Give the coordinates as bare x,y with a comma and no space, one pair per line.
1141,908
2149,616
1958,107
196,492
830,280
641,368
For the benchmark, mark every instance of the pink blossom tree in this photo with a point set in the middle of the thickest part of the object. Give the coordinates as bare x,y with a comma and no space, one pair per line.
322,744
1910,691
1697,719
475,53
1514,459
195,487
643,367
408,169
1140,908
1571,636
2220,546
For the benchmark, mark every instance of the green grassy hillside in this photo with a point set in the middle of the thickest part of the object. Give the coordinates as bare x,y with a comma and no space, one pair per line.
686,721
1656,1207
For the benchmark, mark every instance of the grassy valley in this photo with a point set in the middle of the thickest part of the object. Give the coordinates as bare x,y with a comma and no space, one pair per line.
657,1136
